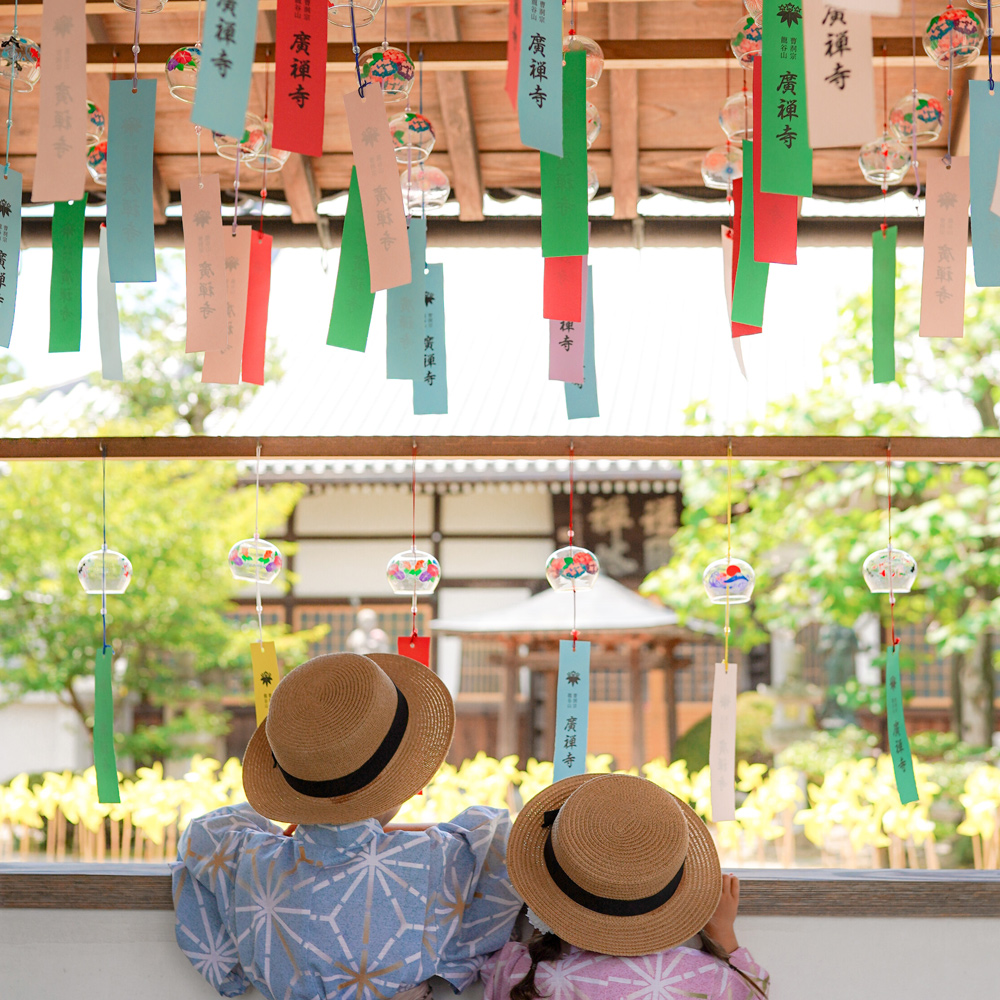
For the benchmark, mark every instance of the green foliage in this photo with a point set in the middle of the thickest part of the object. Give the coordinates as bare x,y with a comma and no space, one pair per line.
753,716
10,369
825,749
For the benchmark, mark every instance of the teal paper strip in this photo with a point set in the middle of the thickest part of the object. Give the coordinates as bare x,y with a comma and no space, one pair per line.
786,159
581,398
353,299
404,311
108,329
227,53
572,709
10,250
984,156
884,304
131,253
104,729
750,286
899,742
65,303
539,77
430,391
565,230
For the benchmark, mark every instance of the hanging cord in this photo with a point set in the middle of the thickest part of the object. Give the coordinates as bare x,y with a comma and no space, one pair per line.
267,137
199,29
14,50
409,156
950,94
104,547
729,544
885,144
256,549
989,41
197,128
357,54
913,129
888,504
572,18
385,26
413,540
135,48
236,185
572,534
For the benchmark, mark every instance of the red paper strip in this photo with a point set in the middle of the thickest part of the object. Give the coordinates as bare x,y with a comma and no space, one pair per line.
224,366
563,288
258,295
514,57
775,216
739,329
300,76
416,647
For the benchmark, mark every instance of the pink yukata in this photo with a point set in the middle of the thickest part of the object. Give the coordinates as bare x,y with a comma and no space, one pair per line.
665,975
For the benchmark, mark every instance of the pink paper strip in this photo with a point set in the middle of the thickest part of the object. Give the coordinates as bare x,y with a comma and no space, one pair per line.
567,339
258,296
224,366
61,161
513,50
946,227
204,263
561,297
775,216
722,744
378,183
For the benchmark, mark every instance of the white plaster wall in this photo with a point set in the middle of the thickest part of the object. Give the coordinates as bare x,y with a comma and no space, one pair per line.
458,602
496,513
95,954
38,733
348,568
357,512
474,559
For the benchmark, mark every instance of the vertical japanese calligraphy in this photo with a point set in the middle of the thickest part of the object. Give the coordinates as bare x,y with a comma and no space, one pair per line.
104,728
108,329
430,388
539,76
10,250
404,311
786,159
581,397
840,75
300,76
204,263
750,284
737,329
513,50
899,742
224,366
984,157
884,304
565,230
65,302
567,338
258,297
353,300
378,184
946,236
569,755
228,45
562,288
131,254
61,160
722,744
266,674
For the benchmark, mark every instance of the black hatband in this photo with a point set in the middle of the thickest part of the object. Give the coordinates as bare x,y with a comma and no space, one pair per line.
603,904
368,771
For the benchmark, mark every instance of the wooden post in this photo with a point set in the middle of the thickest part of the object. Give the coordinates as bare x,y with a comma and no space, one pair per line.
638,708
507,714
670,688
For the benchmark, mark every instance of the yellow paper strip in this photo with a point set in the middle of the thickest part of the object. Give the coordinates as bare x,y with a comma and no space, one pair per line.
266,674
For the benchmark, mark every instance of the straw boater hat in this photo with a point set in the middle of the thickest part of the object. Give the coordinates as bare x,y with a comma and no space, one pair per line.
348,737
615,864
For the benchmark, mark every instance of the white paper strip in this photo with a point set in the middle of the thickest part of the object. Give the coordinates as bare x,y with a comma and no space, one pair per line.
108,330
722,744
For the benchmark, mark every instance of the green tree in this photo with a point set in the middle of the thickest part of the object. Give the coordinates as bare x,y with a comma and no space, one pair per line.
806,527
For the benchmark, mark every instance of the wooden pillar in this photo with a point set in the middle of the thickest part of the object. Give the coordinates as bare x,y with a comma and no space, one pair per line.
638,709
670,690
507,741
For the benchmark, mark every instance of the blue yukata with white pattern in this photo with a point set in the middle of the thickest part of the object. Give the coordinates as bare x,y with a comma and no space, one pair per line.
346,911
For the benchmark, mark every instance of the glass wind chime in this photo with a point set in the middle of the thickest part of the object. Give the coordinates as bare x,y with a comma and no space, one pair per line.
573,41
892,571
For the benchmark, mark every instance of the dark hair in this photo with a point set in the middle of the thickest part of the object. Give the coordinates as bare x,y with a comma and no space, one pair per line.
717,951
541,948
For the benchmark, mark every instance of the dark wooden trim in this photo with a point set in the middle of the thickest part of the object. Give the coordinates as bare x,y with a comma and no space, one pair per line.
771,893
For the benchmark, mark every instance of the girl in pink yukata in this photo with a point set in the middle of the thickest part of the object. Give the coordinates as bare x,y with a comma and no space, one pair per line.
617,874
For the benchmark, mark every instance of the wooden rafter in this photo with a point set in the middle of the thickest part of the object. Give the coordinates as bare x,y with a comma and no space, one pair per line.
623,22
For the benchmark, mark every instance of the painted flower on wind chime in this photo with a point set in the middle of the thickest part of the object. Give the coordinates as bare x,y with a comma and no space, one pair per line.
746,41
339,12
182,72
954,37
595,56
890,570
391,68
412,137
572,568
736,116
424,187
413,572
97,163
884,161
255,559
104,571
755,8
249,144
922,113
721,166
729,581
96,123
20,64
593,123
269,158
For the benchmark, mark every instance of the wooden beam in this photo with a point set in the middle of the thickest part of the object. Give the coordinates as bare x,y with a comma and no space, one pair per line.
459,127
623,22
799,448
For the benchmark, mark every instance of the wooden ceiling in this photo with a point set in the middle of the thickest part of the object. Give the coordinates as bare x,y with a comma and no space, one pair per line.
668,68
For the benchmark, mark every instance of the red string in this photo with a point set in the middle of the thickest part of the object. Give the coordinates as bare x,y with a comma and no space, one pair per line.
885,147
263,190
888,503
572,491
413,539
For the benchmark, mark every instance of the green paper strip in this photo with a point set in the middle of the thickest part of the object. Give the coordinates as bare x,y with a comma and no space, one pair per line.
104,729
65,301
884,304
565,229
751,275
786,159
899,743
353,299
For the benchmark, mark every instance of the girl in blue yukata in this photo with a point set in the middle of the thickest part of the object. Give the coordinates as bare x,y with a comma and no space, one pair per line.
341,908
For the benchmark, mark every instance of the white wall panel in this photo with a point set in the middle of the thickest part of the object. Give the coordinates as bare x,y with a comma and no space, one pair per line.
495,513
343,511
347,568
477,559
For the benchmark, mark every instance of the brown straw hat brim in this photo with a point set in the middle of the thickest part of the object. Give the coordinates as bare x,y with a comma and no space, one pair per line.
421,752
671,924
